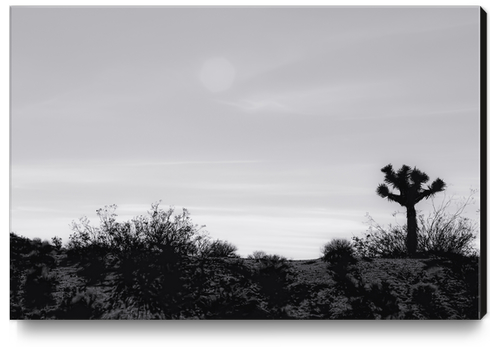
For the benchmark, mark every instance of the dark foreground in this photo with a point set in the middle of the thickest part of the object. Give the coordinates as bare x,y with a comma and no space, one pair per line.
51,283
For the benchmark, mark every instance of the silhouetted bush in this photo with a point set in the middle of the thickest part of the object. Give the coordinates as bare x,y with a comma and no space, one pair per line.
19,245
157,262
156,283
57,242
274,274
380,242
157,232
441,232
338,251
148,257
221,249
273,261
257,255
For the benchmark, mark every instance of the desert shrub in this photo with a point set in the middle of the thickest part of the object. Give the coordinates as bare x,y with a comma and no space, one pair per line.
381,242
57,242
111,235
440,232
221,249
274,274
163,230
47,246
26,252
273,261
338,251
157,232
159,284
257,255
202,242
19,244
149,257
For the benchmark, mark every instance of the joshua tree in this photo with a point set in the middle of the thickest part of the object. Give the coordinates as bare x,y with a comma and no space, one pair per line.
409,183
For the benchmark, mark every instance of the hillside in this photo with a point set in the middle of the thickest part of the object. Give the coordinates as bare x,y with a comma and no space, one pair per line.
51,283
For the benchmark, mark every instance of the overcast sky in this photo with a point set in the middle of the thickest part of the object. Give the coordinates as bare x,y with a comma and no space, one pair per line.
269,125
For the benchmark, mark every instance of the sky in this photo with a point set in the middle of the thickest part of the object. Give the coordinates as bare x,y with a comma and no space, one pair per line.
270,125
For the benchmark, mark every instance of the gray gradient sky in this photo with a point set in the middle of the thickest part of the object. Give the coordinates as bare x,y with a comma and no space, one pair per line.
270,125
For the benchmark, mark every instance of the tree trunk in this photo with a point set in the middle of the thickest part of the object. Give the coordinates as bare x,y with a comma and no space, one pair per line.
411,241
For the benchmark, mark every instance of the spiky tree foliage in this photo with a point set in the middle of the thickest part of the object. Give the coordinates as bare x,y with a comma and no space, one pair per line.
412,186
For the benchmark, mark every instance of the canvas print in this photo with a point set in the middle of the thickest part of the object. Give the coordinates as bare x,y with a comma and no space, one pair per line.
315,163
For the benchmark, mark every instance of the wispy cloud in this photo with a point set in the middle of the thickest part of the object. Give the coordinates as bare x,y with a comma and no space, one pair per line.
326,99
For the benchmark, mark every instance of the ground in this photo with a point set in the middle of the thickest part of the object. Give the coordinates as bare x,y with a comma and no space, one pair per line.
49,283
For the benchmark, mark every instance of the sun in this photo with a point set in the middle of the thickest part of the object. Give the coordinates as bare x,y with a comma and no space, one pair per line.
217,74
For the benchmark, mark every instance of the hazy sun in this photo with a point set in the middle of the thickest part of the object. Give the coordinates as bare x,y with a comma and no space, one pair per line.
217,74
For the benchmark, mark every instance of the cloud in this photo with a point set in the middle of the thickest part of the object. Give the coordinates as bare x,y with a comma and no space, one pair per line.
351,98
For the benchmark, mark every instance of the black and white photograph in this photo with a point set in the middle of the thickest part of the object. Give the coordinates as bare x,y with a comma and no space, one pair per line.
247,163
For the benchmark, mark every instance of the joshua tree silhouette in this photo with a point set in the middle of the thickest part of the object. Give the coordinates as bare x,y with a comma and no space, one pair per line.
409,183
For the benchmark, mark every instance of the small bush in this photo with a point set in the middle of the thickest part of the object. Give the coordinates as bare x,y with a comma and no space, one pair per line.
148,257
381,242
156,232
440,232
257,255
338,251
221,249
274,274
273,260
57,242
